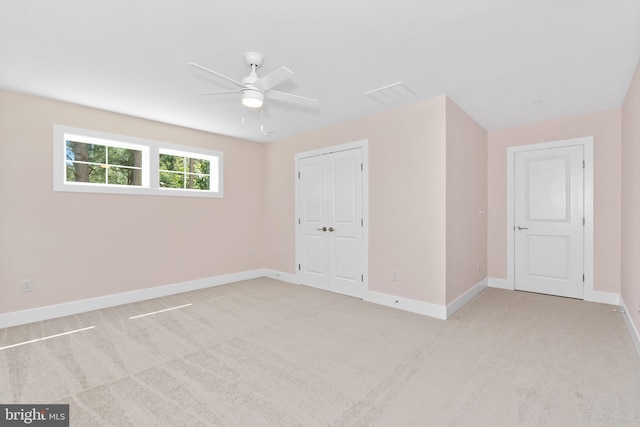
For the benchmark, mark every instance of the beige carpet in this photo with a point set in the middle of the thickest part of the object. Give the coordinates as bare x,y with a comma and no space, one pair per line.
262,352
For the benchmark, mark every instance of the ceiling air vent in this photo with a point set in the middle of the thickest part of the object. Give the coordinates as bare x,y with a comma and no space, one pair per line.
392,94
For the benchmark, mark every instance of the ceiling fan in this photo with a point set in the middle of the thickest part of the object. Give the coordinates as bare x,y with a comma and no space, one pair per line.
254,89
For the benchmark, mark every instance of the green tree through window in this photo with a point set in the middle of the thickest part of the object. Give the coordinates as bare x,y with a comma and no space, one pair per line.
178,171
103,164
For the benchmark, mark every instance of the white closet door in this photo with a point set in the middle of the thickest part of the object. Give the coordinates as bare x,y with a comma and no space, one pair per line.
330,229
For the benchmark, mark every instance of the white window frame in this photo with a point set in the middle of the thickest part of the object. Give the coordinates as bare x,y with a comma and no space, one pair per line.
150,164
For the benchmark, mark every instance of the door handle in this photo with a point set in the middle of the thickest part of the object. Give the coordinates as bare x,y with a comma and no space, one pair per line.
331,229
322,229
523,228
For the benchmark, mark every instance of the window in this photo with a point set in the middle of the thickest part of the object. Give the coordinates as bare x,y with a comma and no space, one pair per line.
96,163
186,171
88,161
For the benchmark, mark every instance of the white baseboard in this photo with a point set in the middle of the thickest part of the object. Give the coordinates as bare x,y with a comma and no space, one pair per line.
407,304
279,275
459,302
420,307
74,307
602,297
633,331
494,282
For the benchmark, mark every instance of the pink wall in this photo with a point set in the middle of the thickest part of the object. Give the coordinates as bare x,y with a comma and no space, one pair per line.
631,200
605,129
466,196
76,246
431,168
152,241
406,197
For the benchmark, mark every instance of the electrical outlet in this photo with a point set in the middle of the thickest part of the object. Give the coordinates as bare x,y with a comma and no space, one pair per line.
394,275
27,285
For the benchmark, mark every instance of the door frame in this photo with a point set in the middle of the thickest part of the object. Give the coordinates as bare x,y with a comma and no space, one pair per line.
364,146
587,144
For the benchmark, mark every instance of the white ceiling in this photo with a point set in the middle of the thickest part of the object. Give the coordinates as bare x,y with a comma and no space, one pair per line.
505,62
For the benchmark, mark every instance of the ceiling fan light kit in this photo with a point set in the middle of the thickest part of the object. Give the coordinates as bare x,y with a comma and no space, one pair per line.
252,98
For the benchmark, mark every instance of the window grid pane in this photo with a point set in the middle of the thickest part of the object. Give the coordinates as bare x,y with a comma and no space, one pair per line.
171,179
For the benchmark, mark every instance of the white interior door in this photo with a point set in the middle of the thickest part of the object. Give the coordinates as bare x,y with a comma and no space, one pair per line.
549,221
330,235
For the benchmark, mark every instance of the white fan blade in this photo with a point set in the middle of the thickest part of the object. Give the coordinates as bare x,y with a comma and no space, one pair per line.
272,79
219,92
235,82
289,97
